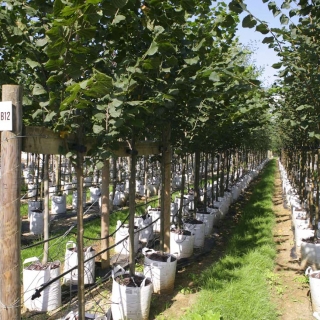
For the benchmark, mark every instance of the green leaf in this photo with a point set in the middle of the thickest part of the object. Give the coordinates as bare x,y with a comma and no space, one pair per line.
214,77
100,116
50,116
41,42
38,89
264,1
285,5
37,113
284,19
97,128
292,12
57,7
119,3
304,106
158,30
199,45
192,61
268,40
135,103
118,18
277,65
249,21
235,7
262,28
87,32
255,82
152,49
32,63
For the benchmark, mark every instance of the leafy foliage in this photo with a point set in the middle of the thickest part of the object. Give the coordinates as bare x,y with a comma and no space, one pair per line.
118,68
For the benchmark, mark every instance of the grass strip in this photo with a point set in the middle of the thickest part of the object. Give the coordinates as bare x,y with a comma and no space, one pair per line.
235,287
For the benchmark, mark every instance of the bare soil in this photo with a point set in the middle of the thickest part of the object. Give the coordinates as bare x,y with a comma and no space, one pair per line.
290,291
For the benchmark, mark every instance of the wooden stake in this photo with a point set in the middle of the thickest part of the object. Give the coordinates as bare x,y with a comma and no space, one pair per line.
105,212
46,208
132,207
10,226
165,194
80,230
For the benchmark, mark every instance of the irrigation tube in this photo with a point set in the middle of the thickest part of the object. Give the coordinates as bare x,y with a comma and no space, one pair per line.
43,286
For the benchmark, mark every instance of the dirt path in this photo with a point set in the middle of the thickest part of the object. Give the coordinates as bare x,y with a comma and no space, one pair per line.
290,290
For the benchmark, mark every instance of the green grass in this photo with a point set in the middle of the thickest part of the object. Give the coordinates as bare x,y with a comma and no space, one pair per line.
92,229
236,287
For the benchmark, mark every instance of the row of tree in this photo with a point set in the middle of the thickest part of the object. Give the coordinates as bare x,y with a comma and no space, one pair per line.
296,121
122,69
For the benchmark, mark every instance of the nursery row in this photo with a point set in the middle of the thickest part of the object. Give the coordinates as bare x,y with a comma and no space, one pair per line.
159,267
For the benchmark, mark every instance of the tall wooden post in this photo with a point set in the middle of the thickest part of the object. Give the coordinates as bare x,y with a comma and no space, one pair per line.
46,208
105,211
10,226
80,228
132,207
165,194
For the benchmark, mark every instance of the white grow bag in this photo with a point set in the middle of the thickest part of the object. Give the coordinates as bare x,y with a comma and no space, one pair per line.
71,260
130,302
50,298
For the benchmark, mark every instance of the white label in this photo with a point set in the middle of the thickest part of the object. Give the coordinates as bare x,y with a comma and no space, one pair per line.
6,116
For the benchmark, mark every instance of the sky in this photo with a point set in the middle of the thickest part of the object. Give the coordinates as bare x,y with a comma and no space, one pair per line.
263,56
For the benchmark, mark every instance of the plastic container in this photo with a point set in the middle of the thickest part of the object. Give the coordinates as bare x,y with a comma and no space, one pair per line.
198,230
162,273
58,204
130,302
71,260
121,234
34,278
36,222
75,199
181,246
145,223
314,282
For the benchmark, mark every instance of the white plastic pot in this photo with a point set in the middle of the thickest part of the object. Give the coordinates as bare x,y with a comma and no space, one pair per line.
94,194
122,236
207,219
198,230
155,213
50,298
162,274
58,204
36,222
145,223
34,205
130,302
71,260
75,199
314,282
181,246
310,254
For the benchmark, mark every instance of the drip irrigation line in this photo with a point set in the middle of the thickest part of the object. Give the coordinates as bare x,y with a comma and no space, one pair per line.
43,286
111,235
42,242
